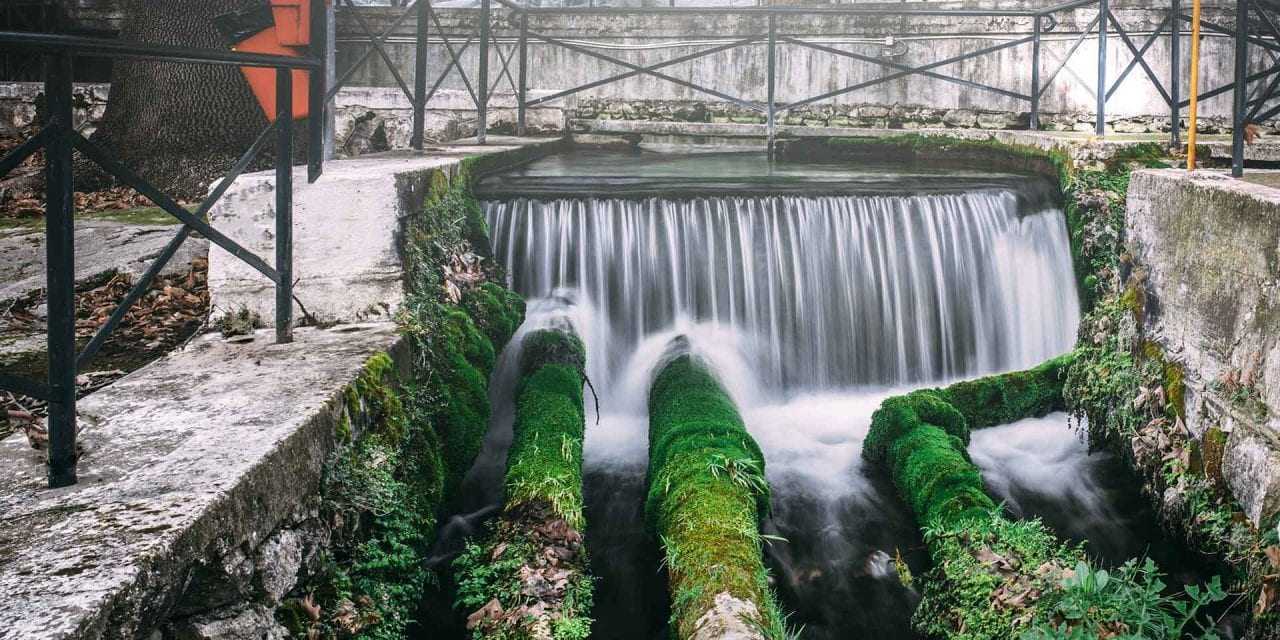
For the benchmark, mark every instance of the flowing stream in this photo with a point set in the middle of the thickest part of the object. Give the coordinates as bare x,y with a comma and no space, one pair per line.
812,309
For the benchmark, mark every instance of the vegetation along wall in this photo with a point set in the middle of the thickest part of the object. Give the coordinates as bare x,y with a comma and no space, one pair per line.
394,470
528,578
707,492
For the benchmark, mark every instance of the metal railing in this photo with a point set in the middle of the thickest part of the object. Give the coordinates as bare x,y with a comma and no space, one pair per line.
1259,18
59,139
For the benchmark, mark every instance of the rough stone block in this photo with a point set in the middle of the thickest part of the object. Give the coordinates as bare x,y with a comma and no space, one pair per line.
278,563
1251,464
254,622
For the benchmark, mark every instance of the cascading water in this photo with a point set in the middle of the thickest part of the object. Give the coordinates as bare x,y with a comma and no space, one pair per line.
820,292
812,309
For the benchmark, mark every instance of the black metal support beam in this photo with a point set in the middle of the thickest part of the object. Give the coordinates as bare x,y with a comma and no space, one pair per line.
1175,73
772,103
420,75
482,101
1240,88
284,206
522,93
1035,74
61,283
317,106
1100,124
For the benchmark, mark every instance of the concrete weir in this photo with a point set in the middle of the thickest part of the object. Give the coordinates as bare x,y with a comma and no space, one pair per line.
197,508
1206,247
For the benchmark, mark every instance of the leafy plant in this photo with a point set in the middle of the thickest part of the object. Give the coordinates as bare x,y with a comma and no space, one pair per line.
1128,603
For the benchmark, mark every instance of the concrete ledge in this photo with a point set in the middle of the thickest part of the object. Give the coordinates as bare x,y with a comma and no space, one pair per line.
1081,146
191,460
1206,246
347,228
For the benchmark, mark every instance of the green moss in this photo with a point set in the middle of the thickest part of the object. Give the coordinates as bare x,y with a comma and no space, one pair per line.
707,492
383,489
405,441
920,440
545,460
496,310
544,504
988,576
1005,398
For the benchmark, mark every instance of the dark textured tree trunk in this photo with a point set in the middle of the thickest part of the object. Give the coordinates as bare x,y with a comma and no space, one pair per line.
179,125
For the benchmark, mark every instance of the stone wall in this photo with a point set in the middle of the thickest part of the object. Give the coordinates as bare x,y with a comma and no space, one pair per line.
1206,249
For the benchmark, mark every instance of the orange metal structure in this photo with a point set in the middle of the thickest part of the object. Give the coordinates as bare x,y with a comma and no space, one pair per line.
262,80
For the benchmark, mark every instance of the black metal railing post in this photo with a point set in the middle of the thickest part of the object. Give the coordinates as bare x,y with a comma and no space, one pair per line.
284,205
60,253
1035,73
772,114
1104,10
522,94
1175,73
420,76
482,91
1240,90
317,106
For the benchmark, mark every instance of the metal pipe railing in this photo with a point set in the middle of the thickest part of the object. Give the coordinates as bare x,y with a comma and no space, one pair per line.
60,140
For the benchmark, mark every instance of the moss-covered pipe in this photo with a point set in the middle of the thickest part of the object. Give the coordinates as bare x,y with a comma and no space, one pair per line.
981,560
707,491
1009,397
529,578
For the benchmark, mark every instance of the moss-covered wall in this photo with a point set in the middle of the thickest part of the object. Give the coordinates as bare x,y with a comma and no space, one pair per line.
707,492
528,577
410,434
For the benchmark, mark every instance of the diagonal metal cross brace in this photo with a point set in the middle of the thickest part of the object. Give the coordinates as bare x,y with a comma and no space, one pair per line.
653,67
641,70
506,67
912,71
1204,95
364,57
126,175
24,150
144,283
1138,58
377,44
902,67
453,62
1070,52
455,58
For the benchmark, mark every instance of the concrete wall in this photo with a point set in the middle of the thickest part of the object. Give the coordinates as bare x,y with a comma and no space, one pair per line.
802,72
1208,249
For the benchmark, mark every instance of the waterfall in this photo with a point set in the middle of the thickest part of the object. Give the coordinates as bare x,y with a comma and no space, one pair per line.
820,292
812,309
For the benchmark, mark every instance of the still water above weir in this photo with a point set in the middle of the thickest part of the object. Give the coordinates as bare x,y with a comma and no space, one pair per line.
814,292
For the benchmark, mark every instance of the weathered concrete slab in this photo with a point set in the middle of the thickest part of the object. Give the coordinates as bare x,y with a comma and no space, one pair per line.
1208,245
722,136
101,247
191,460
347,229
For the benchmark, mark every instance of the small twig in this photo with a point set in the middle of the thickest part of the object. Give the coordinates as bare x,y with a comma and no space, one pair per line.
595,397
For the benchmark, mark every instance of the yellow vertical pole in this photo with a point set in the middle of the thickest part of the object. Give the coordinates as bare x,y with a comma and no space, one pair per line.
1195,84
